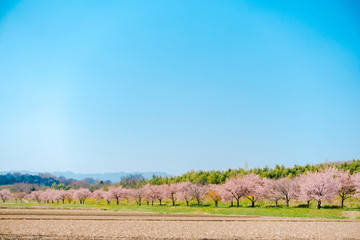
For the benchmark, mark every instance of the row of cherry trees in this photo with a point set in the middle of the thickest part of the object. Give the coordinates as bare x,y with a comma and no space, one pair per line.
319,186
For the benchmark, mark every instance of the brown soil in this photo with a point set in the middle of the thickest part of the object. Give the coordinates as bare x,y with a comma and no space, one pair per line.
73,224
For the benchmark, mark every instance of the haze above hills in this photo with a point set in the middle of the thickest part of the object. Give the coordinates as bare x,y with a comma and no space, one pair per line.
113,177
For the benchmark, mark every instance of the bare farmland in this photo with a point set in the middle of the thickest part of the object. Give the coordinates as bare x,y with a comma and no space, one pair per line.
96,224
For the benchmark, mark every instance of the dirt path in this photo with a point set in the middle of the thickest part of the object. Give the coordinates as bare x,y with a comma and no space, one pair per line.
72,224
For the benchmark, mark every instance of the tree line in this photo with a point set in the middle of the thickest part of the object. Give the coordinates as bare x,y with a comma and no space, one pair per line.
280,171
319,186
17,182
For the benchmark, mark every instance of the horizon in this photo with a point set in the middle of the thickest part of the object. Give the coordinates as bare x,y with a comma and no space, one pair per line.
90,87
170,174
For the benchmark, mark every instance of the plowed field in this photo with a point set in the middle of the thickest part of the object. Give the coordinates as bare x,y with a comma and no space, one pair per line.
97,224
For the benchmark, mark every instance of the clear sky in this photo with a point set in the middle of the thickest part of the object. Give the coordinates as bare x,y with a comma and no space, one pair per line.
106,86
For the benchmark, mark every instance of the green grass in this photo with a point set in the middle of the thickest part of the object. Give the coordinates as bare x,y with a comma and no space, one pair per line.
262,209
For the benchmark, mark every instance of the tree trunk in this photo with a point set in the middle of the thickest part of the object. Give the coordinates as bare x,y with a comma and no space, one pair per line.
139,203
160,202
276,202
308,204
287,202
152,203
173,202
216,203
252,204
187,203
63,201
117,201
342,202
319,205
198,203
237,202
231,204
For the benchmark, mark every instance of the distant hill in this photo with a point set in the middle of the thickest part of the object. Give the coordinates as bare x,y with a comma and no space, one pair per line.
113,177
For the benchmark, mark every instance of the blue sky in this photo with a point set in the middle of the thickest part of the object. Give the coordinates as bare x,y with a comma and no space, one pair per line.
105,86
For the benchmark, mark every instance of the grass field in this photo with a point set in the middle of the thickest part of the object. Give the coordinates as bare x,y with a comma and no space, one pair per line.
262,209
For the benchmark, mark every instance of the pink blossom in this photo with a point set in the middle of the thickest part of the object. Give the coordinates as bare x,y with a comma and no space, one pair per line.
356,180
137,194
5,194
172,192
226,195
305,193
35,195
82,194
322,185
185,192
270,192
98,194
117,193
347,186
287,188
237,187
255,187
197,192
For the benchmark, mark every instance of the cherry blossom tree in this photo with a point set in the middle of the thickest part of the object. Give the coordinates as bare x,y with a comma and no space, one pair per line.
322,185
53,195
356,181
214,193
70,195
150,194
155,192
48,195
160,192
5,194
305,194
98,194
126,194
82,194
35,196
19,196
138,194
184,192
236,187
107,196
255,187
62,195
347,186
117,193
270,191
44,196
287,188
226,196
172,192
198,192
